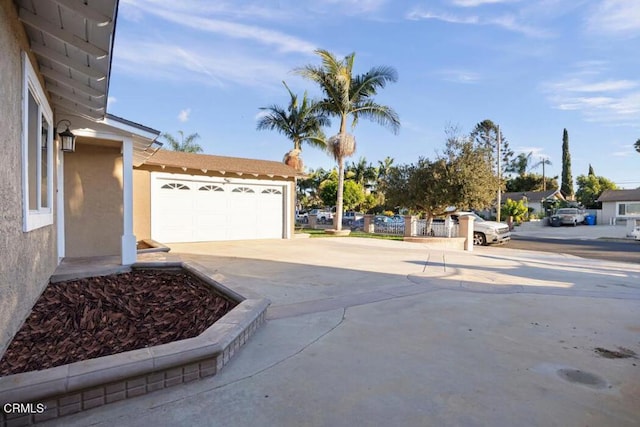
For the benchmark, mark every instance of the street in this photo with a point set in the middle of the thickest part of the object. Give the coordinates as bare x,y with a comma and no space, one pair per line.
610,250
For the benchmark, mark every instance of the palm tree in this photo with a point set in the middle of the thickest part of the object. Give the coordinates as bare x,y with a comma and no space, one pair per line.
349,97
299,122
543,162
186,145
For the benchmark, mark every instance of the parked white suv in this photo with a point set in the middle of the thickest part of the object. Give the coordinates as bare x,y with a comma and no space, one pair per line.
322,216
485,232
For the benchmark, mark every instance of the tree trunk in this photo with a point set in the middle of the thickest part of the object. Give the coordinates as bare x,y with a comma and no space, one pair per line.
338,217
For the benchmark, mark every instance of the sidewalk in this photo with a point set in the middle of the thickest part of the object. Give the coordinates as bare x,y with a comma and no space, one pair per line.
375,332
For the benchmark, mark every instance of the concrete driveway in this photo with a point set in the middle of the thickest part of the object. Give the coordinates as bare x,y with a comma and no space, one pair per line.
369,332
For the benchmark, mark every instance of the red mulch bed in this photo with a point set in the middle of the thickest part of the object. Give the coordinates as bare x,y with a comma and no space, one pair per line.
99,316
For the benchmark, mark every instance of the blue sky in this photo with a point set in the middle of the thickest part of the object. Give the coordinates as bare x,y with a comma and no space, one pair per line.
534,67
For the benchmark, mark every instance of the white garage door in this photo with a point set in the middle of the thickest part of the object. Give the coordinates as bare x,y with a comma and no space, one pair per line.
189,209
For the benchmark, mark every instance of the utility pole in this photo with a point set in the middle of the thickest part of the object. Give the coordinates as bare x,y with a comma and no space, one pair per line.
499,179
544,180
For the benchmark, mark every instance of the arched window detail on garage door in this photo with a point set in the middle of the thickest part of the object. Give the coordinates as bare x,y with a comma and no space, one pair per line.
271,191
211,188
174,186
243,190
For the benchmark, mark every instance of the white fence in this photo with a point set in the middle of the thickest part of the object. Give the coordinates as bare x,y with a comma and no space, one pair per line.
438,229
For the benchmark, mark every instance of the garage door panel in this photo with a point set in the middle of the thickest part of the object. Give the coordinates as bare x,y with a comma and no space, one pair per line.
188,210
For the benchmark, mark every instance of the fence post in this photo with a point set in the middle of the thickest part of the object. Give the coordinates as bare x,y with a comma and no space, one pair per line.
466,230
368,223
409,226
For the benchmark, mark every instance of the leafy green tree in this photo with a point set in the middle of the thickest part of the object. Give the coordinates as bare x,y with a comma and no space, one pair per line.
520,165
349,97
462,176
514,209
566,185
591,171
469,172
590,187
420,187
299,121
361,172
383,170
531,182
184,144
485,134
353,193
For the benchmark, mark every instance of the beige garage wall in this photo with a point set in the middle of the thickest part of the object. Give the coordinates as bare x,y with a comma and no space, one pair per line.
93,199
141,204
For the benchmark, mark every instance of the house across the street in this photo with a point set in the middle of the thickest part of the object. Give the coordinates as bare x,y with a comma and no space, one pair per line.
533,199
620,206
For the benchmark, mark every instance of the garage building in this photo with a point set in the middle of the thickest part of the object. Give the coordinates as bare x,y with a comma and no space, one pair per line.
187,197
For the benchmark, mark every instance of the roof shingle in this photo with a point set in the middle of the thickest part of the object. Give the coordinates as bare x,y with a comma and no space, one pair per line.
620,196
177,159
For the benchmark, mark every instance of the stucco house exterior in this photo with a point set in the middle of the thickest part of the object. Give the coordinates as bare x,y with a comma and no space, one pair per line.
115,188
533,199
55,68
620,206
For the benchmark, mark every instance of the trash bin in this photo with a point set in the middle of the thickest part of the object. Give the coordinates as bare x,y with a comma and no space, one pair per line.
590,219
555,221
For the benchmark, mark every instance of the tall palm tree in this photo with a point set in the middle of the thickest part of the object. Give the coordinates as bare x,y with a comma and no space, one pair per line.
300,122
349,97
187,145
543,162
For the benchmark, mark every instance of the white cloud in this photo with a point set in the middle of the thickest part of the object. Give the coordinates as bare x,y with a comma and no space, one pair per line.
111,100
506,22
616,17
418,14
613,101
183,116
460,76
194,15
281,41
475,3
197,64
352,7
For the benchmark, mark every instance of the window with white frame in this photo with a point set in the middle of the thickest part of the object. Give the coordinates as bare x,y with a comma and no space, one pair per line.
629,209
37,151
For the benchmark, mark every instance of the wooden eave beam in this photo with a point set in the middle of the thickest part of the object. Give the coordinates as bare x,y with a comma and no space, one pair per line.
64,93
51,54
70,82
65,36
84,10
71,107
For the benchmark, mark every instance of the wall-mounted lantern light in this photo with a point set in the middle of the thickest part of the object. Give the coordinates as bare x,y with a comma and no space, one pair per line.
67,138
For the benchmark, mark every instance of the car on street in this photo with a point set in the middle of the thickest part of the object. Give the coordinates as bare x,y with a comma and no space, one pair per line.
349,217
388,224
485,232
568,216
